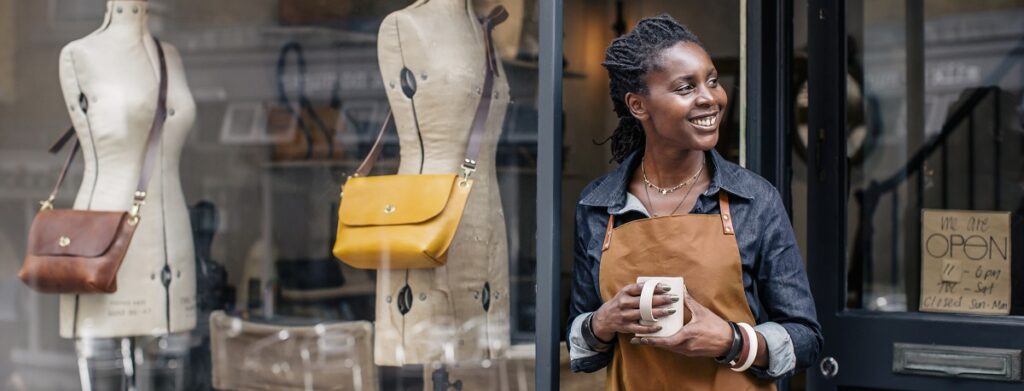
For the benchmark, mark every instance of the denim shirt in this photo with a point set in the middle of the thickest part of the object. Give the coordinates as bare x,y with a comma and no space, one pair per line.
774,278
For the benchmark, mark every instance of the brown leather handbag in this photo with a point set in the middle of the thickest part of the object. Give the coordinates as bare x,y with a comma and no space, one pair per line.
80,251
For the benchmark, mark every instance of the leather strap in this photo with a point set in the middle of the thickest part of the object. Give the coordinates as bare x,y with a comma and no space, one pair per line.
723,205
153,141
371,158
478,128
56,147
608,233
498,14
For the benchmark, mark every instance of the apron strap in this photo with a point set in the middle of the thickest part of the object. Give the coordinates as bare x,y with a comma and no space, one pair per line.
723,205
608,233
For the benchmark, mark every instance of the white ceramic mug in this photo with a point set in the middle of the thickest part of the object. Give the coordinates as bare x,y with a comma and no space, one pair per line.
670,324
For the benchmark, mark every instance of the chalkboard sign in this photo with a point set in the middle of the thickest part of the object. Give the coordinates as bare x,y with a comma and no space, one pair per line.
965,262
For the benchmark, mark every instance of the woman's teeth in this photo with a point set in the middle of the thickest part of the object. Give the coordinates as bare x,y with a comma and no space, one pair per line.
705,121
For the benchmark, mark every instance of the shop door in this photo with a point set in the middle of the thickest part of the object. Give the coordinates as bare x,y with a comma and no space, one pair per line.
916,193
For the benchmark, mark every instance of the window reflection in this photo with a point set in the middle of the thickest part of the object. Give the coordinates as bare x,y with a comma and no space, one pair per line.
941,101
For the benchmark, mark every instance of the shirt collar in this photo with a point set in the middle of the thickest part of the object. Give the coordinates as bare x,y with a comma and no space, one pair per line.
611,191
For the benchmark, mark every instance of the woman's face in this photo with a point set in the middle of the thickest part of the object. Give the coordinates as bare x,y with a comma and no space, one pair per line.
684,104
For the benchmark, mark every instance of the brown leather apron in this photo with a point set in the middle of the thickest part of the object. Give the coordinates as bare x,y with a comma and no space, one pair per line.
702,249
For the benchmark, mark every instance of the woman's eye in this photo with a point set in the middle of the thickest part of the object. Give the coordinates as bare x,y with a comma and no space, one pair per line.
684,88
713,82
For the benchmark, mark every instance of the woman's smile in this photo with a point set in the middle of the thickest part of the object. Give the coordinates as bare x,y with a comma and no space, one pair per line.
705,122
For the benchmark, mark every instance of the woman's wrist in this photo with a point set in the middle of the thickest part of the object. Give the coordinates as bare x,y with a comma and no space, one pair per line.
725,338
601,332
587,331
735,345
762,359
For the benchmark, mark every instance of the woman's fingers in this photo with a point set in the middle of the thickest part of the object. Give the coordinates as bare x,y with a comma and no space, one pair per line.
630,316
636,289
633,289
663,342
663,312
629,303
637,328
664,299
660,300
633,316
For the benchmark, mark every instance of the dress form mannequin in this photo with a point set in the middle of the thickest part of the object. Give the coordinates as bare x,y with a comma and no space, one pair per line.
442,43
109,80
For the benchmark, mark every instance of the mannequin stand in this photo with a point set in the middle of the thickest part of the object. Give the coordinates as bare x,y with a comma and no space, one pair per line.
441,382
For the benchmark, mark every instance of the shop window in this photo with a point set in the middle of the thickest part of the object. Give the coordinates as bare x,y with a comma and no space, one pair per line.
232,279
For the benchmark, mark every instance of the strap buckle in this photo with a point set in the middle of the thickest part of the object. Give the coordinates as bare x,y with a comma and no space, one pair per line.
46,204
137,202
468,168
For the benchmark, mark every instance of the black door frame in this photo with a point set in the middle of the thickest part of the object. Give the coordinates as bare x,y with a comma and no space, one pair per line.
769,107
863,341
769,111
549,195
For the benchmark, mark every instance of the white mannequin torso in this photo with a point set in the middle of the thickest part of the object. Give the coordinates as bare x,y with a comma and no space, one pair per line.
442,43
115,71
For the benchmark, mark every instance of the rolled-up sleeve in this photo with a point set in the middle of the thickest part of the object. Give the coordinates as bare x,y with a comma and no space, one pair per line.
786,295
584,298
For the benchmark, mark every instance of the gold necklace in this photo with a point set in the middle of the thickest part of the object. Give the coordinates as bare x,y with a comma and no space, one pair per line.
666,190
685,196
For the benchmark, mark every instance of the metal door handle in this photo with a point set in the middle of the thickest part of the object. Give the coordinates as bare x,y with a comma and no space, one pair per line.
829,367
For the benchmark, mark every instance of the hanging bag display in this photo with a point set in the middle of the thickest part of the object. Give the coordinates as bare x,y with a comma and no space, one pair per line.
409,221
80,251
305,124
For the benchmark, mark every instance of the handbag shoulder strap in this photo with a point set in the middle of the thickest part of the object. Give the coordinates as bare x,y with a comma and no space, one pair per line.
153,141
498,14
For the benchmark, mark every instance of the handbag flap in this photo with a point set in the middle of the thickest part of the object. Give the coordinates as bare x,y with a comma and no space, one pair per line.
69,232
394,199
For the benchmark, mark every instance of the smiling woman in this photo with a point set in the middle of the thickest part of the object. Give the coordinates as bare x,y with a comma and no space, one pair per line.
749,315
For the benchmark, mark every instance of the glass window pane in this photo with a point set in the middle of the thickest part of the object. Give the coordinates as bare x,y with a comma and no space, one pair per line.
933,136
232,278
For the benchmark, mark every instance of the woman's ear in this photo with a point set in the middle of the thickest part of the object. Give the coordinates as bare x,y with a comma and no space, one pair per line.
635,103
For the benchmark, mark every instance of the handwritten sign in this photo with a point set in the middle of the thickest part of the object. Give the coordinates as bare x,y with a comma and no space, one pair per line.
965,262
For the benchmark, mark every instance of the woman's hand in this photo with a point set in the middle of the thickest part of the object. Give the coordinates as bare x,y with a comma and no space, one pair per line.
621,314
707,334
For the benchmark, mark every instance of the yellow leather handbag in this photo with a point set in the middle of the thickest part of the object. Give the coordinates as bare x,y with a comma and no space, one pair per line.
409,221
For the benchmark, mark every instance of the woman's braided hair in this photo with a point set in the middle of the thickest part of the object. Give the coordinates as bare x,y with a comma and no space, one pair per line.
627,60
